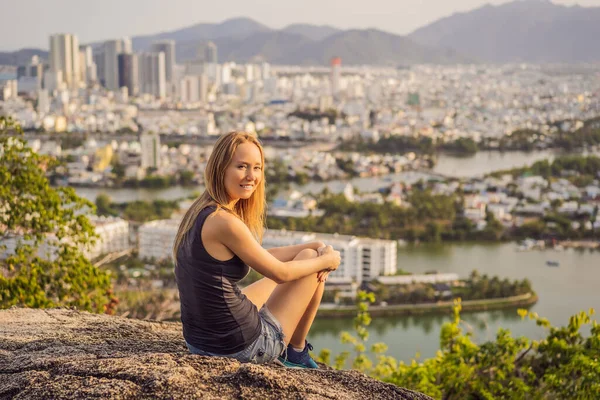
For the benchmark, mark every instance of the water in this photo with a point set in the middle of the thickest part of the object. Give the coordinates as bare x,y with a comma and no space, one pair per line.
133,194
481,163
485,162
562,292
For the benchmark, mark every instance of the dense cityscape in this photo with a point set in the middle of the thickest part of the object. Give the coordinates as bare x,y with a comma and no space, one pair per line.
350,152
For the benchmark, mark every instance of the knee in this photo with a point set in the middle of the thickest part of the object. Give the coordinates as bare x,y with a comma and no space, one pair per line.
307,253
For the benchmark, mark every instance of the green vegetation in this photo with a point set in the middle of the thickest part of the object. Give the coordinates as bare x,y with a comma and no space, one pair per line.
578,169
313,114
48,268
565,364
519,140
476,287
391,144
431,218
405,144
136,211
462,146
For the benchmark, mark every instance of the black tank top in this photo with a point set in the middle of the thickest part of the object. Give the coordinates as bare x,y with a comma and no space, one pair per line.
216,316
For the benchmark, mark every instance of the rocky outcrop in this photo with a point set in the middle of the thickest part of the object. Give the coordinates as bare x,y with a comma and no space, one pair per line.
67,354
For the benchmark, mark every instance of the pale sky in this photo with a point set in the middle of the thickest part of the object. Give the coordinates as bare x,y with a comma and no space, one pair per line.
28,23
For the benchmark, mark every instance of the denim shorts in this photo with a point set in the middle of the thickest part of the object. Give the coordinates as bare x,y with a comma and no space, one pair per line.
266,348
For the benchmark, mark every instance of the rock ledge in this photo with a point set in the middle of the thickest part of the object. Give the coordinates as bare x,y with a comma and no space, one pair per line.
67,354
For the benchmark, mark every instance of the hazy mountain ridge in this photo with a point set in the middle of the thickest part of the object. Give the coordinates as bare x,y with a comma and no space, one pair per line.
22,56
314,32
243,39
521,31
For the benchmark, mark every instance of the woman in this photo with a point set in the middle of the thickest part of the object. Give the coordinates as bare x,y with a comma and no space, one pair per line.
217,241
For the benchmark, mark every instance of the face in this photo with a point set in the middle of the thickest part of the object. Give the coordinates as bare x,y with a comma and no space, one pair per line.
244,173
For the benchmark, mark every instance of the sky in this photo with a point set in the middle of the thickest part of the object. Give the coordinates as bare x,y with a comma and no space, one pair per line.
28,23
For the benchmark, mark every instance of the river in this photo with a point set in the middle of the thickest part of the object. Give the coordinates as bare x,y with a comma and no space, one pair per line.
562,292
481,163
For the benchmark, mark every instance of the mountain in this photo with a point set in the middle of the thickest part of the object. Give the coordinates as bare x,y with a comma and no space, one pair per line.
243,39
314,32
354,47
22,56
235,27
521,31
369,46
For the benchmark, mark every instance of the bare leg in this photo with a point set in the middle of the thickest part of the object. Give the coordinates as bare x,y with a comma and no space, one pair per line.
290,301
307,319
260,291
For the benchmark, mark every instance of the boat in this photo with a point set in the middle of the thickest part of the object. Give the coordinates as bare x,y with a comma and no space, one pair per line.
552,263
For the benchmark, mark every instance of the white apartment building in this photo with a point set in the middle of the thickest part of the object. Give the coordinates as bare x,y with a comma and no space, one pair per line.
150,150
156,239
113,236
363,259
408,279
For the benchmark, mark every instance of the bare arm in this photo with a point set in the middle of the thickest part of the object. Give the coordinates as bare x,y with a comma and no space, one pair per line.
236,236
288,253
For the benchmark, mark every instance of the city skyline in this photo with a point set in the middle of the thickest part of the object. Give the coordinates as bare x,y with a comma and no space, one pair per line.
156,16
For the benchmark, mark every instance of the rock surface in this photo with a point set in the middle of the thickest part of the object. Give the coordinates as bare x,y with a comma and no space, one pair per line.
67,354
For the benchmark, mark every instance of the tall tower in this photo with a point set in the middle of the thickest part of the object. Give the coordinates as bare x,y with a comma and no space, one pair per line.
64,57
112,49
152,74
210,53
336,66
167,47
87,65
128,72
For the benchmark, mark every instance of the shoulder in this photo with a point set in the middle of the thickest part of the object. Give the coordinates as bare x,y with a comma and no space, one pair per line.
223,222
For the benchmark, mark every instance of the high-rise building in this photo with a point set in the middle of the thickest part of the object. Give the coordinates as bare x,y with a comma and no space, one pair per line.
128,72
43,102
336,66
152,74
99,61
210,53
167,47
203,88
8,89
189,86
150,149
265,71
88,73
29,76
64,56
126,45
112,49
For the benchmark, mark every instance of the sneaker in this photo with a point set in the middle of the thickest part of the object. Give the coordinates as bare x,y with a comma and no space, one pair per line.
294,359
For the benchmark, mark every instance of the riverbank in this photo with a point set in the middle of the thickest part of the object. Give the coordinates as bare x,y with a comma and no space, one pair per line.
442,307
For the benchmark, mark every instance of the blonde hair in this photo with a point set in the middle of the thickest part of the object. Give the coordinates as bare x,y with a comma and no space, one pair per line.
251,211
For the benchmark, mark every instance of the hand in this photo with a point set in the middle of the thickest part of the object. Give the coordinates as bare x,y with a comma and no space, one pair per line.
324,250
321,249
322,276
334,256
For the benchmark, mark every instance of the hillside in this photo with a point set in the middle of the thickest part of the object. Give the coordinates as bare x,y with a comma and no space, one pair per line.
66,354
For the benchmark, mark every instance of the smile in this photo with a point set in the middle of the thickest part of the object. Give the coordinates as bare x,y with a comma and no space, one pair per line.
247,187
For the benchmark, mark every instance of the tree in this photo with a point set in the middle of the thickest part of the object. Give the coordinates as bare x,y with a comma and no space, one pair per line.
563,365
48,229
104,205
